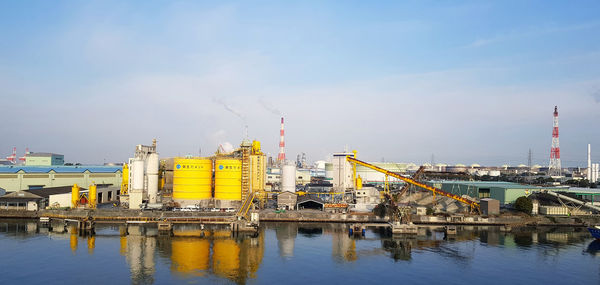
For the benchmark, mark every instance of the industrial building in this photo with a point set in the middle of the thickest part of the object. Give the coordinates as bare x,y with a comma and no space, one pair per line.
15,178
287,200
220,181
505,192
54,197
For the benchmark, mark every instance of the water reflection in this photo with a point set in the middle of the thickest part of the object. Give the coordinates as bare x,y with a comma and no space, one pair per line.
594,248
214,253
139,248
286,236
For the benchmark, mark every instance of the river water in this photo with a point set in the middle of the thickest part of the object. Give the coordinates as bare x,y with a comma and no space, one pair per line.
295,253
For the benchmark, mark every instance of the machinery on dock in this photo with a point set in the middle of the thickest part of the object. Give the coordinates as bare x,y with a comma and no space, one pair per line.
474,206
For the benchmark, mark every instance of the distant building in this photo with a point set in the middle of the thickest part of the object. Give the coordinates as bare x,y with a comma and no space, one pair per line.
44,159
505,192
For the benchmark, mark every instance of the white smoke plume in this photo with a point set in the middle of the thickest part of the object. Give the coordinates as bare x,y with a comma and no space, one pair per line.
229,108
269,107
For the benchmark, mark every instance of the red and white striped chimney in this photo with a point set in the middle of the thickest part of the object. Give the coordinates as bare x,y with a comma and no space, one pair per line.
281,156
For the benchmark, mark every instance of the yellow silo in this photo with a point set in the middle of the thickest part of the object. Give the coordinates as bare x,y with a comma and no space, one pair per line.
190,255
125,180
192,179
74,196
226,258
259,168
93,196
228,179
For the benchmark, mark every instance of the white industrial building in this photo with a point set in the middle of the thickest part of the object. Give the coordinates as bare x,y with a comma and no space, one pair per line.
143,177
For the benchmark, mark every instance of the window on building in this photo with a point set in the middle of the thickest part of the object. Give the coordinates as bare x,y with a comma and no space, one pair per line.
99,198
484,193
109,195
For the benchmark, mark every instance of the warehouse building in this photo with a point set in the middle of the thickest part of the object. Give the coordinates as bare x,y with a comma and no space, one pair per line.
53,197
15,178
505,192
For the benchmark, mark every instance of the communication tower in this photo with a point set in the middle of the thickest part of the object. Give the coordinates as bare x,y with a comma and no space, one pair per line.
555,169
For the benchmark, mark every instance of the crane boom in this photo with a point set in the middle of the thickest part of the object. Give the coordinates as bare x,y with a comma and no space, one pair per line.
474,205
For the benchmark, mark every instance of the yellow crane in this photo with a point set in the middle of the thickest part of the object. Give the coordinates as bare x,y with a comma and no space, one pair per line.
474,205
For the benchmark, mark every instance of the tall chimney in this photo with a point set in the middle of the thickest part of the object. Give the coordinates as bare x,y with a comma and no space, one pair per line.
589,168
281,156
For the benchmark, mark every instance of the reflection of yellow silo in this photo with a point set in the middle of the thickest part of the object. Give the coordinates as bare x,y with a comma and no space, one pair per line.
252,252
190,255
91,243
192,179
228,179
226,258
123,245
73,241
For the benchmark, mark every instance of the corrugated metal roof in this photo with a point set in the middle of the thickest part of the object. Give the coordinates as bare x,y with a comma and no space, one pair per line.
499,184
43,154
60,169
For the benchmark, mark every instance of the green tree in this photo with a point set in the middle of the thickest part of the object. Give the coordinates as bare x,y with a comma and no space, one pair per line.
524,204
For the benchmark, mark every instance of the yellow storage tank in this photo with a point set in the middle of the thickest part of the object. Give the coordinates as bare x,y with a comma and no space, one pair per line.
190,255
125,180
228,179
226,258
259,168
192,179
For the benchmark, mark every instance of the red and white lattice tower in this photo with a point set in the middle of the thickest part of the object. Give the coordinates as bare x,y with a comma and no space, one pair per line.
23,158
281,156
555,168
13,157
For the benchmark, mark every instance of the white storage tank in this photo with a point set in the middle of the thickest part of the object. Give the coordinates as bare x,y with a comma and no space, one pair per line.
288,178
137,174
152,172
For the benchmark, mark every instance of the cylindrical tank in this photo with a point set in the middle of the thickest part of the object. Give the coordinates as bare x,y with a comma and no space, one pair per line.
74,196
152,172
125,179
192,179
259,168
288,178
137,178
190,255
226,258
228,179
93,196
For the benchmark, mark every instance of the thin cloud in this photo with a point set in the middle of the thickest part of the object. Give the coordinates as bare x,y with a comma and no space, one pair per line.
525,33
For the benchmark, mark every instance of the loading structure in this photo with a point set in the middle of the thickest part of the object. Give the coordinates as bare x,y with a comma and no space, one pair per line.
473,205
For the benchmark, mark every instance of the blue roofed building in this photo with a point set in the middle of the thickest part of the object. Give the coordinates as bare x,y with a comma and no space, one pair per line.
16,177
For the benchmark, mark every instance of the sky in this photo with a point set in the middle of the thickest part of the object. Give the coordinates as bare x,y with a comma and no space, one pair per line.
464,81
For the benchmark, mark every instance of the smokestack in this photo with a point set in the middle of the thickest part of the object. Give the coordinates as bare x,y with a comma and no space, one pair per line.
281,156
589,168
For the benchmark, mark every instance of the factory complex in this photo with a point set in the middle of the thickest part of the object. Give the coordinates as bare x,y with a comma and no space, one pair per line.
243,181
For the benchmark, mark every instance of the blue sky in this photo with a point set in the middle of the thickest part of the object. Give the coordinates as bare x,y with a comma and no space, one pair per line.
470,82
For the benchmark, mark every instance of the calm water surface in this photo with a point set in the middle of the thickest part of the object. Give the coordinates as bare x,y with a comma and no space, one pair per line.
292,253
